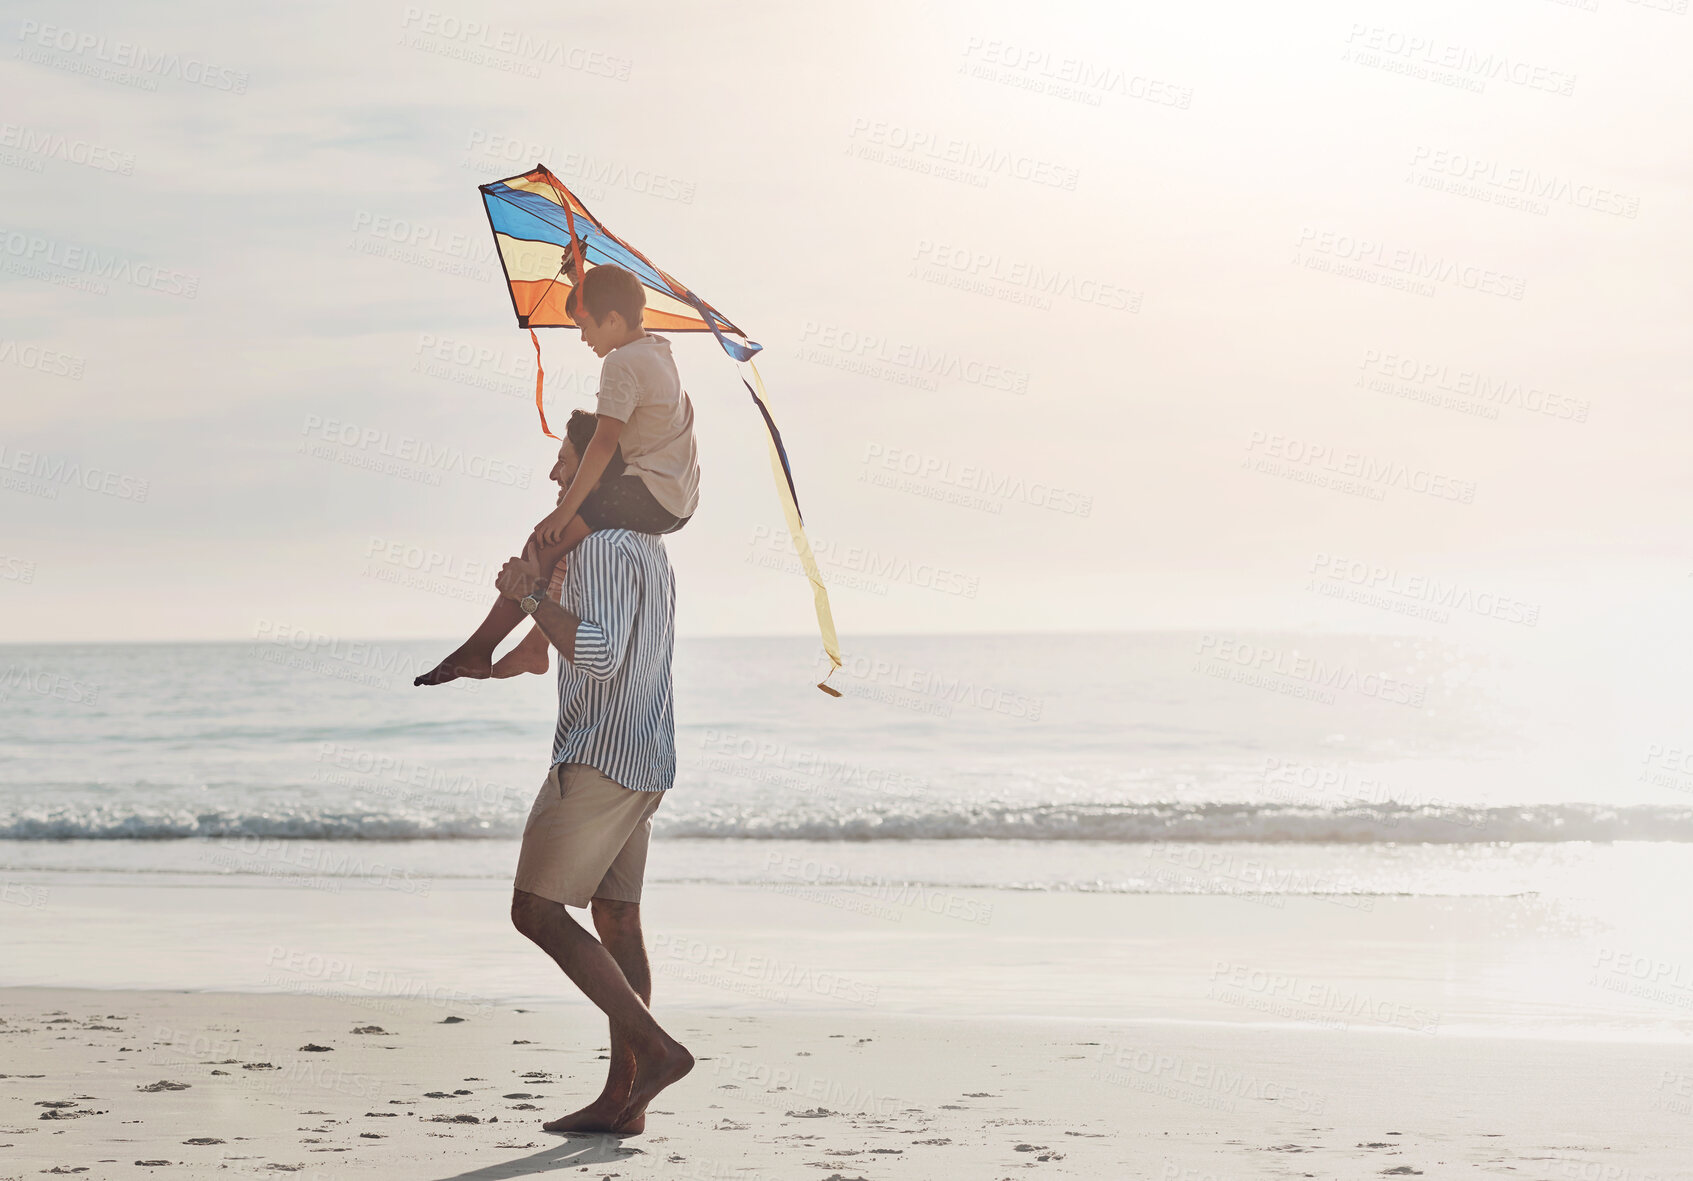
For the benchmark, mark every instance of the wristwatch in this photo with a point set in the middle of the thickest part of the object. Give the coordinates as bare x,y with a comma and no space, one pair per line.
532,601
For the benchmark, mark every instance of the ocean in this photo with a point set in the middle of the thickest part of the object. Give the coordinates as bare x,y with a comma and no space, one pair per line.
1030,826
1343,764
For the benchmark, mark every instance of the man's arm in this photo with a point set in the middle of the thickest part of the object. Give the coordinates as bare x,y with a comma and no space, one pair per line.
517,578
596,645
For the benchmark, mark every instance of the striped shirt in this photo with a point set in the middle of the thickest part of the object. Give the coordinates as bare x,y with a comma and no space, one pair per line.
614,699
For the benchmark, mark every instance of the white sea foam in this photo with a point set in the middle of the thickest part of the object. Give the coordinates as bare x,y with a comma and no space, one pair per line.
1124,823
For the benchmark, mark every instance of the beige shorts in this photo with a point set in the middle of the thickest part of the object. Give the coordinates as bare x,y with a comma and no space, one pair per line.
586,838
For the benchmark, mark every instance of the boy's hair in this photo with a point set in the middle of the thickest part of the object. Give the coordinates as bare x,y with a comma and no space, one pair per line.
609,288
580,430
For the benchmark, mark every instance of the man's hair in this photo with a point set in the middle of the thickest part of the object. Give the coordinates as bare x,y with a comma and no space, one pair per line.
580,429
609,288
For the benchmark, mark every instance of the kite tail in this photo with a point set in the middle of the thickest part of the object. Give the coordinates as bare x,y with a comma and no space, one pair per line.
540,375
796,529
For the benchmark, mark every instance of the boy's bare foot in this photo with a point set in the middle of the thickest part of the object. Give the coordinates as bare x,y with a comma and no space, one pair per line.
530,656
655,1069
462,663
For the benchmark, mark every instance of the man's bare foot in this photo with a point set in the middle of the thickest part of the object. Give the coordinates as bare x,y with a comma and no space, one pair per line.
463,663
529,656
599,1116
655,1069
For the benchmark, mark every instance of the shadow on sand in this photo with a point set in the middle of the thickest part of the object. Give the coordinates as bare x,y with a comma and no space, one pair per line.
574,1151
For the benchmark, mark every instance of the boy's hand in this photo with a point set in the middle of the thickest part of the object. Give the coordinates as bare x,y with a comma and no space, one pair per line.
518,577
551,528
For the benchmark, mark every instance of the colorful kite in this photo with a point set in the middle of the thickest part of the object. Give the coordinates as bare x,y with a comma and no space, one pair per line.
546,239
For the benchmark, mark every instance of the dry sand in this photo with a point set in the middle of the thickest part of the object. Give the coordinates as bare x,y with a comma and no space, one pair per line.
182,1085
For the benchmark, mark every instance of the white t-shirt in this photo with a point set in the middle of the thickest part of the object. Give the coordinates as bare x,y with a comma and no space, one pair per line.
640,387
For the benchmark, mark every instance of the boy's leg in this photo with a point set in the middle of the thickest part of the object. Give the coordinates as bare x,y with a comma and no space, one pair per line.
475,657
530,656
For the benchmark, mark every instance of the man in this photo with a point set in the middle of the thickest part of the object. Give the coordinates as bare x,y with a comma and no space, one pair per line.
614,757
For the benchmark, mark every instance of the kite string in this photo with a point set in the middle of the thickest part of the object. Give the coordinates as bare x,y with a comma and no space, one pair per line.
796,530
540,376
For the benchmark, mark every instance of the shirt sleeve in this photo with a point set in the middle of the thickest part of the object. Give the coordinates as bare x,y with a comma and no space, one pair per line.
607,595
620,389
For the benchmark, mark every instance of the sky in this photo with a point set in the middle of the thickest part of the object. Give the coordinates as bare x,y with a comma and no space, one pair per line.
1075,317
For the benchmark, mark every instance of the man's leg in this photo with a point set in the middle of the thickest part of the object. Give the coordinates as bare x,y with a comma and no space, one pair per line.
656,1059
619,925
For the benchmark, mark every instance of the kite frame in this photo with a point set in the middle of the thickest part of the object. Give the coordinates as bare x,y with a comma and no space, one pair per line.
677,289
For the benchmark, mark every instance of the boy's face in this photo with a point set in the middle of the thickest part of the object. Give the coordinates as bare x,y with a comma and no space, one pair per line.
601,335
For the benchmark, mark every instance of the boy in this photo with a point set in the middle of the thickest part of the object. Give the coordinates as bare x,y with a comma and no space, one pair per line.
643,413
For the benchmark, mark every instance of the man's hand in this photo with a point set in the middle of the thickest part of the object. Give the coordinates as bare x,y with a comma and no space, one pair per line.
551,528
518,577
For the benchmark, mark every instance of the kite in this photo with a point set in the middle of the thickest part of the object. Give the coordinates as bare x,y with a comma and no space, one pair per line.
546,238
